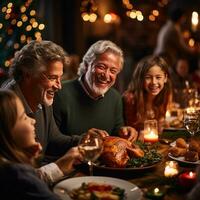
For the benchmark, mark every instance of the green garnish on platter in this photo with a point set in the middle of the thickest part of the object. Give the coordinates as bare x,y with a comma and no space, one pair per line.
151,156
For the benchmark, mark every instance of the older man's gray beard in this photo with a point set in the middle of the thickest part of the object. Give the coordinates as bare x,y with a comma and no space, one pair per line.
99,91
95,89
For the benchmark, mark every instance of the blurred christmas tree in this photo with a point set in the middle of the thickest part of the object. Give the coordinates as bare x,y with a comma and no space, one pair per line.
19,24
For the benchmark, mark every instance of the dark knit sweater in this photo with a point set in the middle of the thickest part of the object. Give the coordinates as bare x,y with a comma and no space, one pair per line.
75,112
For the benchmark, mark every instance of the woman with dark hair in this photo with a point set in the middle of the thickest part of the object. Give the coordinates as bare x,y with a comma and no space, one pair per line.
18,152
149,92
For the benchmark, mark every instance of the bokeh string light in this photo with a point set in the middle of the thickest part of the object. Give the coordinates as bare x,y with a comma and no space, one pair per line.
19,24
152,13
89,11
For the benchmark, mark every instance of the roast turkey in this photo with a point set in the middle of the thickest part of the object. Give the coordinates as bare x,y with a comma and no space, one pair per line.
117,151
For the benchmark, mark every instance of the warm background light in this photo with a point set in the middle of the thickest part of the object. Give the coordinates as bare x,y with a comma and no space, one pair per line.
194,20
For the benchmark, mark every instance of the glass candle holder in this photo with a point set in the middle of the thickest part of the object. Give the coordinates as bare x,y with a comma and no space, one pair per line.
150,131
171,169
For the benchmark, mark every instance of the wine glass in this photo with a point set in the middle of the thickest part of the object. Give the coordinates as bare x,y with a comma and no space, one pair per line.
191,120
90,146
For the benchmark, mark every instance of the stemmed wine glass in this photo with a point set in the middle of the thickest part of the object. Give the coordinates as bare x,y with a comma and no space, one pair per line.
90,146
191,120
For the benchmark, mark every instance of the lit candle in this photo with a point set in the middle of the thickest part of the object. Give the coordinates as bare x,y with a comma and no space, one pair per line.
171,169
187,179
168,118
150,131
167,115
151,136
155,193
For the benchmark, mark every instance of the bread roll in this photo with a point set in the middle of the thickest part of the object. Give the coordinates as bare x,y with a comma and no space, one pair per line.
180,142
177,151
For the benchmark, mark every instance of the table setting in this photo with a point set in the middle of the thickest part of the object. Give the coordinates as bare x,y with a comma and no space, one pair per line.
166,176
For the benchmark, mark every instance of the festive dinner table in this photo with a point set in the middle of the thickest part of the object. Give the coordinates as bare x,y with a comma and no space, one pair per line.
155,182
171,187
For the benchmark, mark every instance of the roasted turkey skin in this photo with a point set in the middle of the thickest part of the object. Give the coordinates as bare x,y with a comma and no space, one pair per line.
117,151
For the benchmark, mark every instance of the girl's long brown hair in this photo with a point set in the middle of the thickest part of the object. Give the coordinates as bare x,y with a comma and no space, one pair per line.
8,117
137,86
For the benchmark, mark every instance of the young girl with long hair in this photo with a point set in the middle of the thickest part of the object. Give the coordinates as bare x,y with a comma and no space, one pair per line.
148,94
19,149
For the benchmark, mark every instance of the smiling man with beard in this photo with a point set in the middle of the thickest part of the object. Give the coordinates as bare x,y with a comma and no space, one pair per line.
90,101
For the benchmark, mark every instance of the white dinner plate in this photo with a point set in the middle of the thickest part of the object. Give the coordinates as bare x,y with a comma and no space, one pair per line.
132,191
182,159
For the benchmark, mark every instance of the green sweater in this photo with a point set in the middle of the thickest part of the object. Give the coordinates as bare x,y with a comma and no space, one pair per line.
75,112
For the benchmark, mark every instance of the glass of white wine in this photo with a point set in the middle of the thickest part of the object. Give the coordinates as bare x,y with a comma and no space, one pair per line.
91,146
191,120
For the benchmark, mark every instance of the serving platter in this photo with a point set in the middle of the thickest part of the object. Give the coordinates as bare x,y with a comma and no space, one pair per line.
181,159
103,167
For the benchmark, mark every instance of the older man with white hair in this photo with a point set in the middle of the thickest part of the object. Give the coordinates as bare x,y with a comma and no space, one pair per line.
90,101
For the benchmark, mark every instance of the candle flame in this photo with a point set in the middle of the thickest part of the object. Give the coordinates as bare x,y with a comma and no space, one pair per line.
151,134
167,115
171,169
172,164
156,190
191,174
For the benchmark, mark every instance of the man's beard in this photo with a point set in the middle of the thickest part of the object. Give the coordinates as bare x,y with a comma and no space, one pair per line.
44,100
96,90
